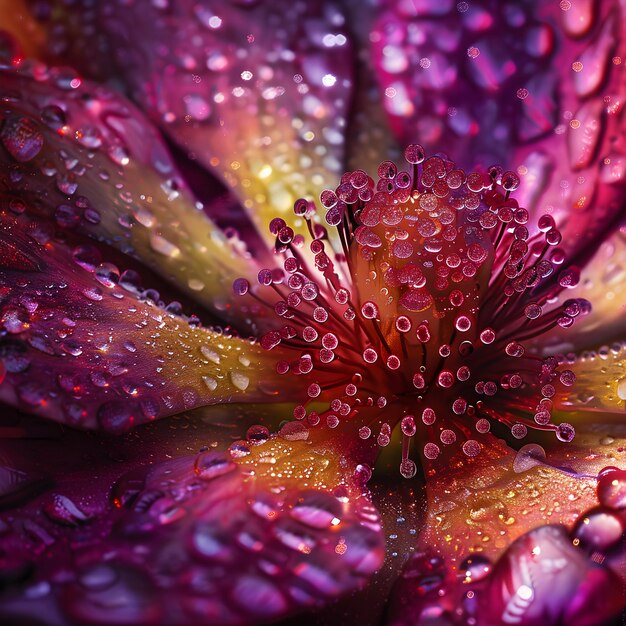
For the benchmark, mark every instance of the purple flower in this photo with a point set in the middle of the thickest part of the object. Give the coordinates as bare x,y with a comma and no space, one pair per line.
381,379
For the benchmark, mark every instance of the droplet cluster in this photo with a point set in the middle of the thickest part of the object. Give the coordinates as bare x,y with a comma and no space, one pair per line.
420,318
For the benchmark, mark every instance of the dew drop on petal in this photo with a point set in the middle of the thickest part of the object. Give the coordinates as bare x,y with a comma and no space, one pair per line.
239,380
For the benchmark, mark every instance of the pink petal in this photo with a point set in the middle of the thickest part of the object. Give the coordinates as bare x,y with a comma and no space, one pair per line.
83,344
85,159
193,540
258,93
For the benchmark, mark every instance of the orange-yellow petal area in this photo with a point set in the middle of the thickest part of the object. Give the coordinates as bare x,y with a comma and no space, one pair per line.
16,20
290,460
600,383
273,135
85,159
82,346
483,505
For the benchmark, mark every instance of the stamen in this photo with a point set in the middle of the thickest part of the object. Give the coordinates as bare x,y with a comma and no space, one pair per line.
439,280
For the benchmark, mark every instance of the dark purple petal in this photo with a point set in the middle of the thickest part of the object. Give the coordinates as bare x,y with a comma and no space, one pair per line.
538,87
193,540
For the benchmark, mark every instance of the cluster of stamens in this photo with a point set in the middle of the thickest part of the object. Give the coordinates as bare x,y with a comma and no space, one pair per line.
411,308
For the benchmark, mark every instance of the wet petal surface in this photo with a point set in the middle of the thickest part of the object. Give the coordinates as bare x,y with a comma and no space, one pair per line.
600,384
603,283
86,159
283,495
477,559
257,92
196,539
83,344
537,87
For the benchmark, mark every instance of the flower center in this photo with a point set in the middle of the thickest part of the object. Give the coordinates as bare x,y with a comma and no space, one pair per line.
419,319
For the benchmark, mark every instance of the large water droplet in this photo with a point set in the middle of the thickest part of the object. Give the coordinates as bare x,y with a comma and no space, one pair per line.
22,138
239,380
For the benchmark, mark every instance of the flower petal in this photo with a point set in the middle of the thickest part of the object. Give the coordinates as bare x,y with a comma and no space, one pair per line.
193,540
600,383
539,88
541,580
369,141
476,550
84,157
80,344
257,92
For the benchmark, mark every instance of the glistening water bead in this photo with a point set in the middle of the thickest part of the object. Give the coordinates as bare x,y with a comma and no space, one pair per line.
418,317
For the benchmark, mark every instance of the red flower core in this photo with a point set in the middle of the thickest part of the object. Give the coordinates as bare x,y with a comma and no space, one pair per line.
420,320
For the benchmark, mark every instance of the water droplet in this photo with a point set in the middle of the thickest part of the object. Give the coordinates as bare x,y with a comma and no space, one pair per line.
22,138
612,488
527,457
594,60
408,468
163,246
211,465
317,510
475,568
239,380
294,431
107,274
257,433
565,432
210,354
598,530
62,510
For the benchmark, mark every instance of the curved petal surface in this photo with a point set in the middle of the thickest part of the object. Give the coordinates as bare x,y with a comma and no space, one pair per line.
85,158
519,539
79,343
197,539
538,87
600,383
257,92
603,284
23,28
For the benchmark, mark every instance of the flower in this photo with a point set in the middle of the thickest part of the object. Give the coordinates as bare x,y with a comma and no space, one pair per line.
418,320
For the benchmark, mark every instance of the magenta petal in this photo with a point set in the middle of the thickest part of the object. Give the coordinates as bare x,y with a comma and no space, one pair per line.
85,159
538,87
540,580
195,540
258,92
82,343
